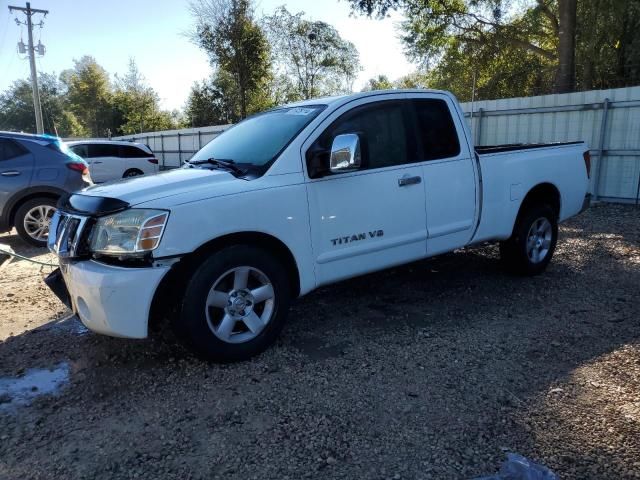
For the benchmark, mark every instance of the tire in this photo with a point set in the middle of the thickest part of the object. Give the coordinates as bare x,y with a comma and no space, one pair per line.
531,247
132,172
234,324
32,220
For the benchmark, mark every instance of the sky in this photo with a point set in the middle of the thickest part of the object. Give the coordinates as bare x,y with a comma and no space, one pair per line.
153,33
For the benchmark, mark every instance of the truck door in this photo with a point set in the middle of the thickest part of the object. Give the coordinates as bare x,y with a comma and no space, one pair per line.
449,172
372,218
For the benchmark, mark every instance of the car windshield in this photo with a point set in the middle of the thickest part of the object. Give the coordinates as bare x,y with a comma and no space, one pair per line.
259,139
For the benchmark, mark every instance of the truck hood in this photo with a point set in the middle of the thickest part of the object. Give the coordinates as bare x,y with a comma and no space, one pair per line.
145,188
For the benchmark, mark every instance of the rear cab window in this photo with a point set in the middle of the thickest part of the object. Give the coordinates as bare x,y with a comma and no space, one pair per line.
436,130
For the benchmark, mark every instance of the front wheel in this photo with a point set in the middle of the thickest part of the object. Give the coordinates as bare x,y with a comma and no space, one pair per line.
33,218
235,304
530,248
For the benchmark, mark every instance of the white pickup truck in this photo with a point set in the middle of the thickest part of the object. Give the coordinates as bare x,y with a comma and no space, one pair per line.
301,196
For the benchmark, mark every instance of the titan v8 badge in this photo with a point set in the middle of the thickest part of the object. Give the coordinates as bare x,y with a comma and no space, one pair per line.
356,237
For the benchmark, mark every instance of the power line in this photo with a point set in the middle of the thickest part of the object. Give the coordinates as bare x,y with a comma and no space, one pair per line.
29,13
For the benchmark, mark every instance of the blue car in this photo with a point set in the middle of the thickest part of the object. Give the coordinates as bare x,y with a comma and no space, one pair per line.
35,170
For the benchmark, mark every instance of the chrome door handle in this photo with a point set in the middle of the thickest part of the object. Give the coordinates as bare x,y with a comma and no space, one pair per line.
95,163
407,180
10,173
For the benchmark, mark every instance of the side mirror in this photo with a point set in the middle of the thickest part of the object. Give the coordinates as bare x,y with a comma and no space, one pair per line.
345,153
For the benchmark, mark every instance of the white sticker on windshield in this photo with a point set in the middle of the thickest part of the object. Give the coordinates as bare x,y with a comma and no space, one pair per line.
299,111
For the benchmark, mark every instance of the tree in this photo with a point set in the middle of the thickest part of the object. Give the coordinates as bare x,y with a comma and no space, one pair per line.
69,126
432,24
608,44
566,75
209,105
16,106
313,55
381,82
90,96
138,105
236,45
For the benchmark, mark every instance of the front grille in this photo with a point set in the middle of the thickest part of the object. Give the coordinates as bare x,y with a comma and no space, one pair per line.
69,231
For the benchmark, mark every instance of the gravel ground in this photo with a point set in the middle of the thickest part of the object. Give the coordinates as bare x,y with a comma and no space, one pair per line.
437,373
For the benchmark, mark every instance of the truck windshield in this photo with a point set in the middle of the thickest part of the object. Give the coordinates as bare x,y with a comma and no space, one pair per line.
260,138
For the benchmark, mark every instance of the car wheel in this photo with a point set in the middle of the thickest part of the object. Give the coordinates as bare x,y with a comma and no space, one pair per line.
235,304
32,220
529,250
132,172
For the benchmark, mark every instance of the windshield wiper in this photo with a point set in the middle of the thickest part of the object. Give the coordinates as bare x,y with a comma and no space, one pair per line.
220,163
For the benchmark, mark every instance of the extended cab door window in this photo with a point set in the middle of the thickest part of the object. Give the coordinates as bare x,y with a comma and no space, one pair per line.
449,173
373,217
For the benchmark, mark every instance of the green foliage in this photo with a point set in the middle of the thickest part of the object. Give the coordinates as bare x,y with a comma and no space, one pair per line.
69,126
514,48
211,102
16,105
381,82
313,56
83,102
90,96
608,43
237,47
137,104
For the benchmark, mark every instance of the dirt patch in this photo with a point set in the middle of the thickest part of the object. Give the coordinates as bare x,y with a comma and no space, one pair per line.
436,373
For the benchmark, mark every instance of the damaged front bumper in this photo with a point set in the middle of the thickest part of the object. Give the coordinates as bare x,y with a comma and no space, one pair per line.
108,299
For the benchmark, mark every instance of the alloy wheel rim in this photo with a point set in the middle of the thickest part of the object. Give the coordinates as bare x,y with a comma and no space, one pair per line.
539,240
36,222
240,304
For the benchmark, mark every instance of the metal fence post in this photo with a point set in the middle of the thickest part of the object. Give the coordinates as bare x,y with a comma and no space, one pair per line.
162,150
199,140
603,133
479,126
179,151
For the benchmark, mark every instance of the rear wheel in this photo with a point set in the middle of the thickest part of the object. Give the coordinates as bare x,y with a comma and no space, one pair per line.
132,172
529,250
33,218
235,304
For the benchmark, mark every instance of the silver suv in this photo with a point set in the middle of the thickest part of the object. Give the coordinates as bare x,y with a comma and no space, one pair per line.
35,171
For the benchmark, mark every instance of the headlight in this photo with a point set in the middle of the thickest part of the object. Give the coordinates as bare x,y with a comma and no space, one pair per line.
130,232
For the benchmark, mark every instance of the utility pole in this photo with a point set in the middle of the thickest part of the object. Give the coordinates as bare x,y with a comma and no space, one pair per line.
29,12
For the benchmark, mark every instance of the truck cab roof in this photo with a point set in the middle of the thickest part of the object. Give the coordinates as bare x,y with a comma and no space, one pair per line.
342,99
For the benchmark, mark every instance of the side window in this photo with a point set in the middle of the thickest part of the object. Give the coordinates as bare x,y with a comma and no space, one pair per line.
103,150
10,149
436,129
130,151
382,131
80,150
